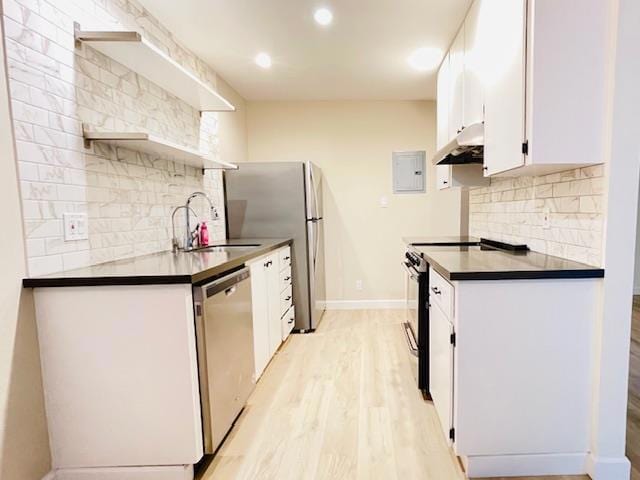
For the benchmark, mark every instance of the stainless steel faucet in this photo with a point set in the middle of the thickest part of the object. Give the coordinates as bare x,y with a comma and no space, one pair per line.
188,244
175,243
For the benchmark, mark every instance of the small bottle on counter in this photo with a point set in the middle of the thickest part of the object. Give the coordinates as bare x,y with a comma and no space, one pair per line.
204,235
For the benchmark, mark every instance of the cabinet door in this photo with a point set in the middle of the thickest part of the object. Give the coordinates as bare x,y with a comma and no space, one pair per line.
260,301
441,367
472,84
272,272
442,104
443,176
456,93
502,39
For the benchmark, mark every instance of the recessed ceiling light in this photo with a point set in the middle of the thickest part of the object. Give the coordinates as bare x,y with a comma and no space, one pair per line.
263,60
425,59
323,16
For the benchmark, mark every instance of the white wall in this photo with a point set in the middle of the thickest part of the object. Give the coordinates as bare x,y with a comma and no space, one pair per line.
613,330
56,87
232,126
24,445
352,142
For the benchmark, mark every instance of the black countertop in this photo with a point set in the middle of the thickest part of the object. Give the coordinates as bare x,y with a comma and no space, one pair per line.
164,267
480,263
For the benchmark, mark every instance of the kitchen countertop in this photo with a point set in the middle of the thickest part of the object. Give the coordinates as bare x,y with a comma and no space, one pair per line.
443,240
164,267
476,263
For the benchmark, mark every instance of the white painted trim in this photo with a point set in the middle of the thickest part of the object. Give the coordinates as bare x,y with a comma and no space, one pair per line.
365,304
526,465
50,476
608,468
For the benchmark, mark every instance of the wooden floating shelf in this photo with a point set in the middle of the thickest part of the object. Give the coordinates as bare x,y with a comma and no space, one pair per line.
139,55
158,147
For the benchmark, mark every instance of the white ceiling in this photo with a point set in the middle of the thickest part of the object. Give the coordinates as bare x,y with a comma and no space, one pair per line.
362,55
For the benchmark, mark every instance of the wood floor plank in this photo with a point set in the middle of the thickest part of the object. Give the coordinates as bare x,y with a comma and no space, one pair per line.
341,404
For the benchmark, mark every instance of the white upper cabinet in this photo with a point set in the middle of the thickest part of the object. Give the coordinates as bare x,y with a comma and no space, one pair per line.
566,83
545,80
501,42
456,86
473,104
535,71
442,104
443,172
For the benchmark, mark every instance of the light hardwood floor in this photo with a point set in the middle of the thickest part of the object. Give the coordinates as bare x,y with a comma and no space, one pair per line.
633,421
342,404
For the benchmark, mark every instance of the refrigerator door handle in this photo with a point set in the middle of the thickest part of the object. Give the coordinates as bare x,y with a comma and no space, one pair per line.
314,191
315,247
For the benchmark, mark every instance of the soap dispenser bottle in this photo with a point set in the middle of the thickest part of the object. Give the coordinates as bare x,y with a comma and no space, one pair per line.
204,235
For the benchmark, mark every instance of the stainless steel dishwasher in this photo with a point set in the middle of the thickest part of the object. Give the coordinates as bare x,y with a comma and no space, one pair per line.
224,337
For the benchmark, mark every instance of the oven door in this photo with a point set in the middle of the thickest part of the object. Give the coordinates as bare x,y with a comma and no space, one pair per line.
412,292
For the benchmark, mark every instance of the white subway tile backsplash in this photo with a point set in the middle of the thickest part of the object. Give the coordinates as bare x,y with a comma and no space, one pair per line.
128,196
513,210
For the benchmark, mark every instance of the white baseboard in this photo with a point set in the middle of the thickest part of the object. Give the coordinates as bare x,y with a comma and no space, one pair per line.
525,465
50,476
365,304
608,468
177,472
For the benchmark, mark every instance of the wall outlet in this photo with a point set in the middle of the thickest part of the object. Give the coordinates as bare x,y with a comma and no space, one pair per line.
76,226
546,221
359,285
384,201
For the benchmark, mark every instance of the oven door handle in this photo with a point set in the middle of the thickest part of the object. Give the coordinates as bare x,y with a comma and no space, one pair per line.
411,341
413,275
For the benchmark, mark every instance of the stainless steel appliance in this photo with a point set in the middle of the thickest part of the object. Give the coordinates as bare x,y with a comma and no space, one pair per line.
224,333
466,147
417,316
284,199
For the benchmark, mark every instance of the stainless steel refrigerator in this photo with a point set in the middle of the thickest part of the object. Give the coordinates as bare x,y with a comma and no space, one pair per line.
284,199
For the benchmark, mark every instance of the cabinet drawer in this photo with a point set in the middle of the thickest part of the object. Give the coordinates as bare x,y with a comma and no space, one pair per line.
285,278
441,293
285,258
288,322
286,300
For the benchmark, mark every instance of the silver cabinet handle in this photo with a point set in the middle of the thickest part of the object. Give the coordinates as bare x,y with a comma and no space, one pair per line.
290,321
288,298
286,279
436,290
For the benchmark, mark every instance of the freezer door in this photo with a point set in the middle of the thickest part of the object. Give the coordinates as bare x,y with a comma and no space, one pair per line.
317,287
313,187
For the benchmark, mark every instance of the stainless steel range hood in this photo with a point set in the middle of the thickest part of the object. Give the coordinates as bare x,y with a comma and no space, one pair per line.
467,147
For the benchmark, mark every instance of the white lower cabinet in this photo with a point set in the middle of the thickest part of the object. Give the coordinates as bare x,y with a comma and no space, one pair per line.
441,367
288,322
511,374
120,377
271,279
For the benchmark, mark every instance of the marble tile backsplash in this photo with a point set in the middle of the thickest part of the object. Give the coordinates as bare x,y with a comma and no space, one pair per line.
513,210
55,88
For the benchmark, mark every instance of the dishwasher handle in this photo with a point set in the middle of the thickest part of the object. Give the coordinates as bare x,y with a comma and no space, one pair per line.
227,283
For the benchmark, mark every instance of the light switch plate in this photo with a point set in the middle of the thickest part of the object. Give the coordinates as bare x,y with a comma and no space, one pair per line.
76,226
384,201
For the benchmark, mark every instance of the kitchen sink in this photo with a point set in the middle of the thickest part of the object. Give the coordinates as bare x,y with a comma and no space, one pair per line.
226,248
